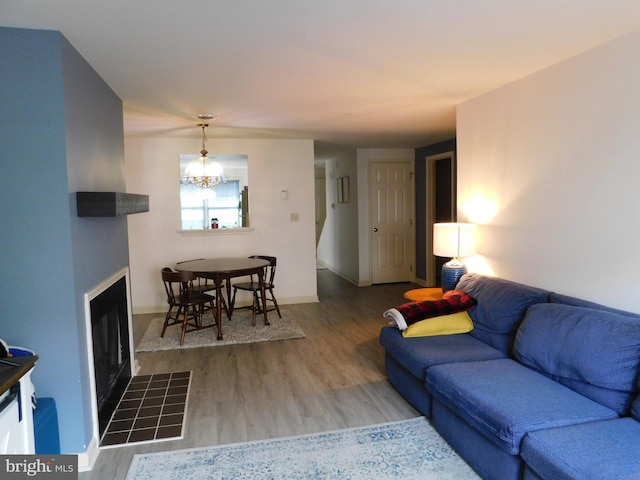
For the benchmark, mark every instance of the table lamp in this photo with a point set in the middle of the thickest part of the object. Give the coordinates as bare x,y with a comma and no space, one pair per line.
453,240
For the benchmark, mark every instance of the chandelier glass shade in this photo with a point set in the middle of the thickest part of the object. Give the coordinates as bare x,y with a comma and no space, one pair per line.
204,171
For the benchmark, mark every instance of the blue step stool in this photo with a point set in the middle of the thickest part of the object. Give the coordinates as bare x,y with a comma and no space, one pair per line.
47,434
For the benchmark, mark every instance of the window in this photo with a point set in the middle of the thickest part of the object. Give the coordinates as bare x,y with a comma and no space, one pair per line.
226,202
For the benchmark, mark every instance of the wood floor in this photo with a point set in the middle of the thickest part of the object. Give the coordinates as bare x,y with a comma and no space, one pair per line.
334,378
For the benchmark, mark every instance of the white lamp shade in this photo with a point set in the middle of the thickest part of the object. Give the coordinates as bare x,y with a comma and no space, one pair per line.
454,239
203,166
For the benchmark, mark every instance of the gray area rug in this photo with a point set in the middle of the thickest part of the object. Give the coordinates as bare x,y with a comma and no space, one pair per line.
238,330
408,450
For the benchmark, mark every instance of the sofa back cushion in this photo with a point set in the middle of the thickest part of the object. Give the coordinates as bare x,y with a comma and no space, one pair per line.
501,307
578,302
594,352
635,408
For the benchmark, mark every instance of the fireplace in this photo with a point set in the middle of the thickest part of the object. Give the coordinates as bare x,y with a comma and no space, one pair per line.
110,339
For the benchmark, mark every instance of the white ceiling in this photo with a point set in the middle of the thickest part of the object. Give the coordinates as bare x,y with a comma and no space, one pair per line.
363,73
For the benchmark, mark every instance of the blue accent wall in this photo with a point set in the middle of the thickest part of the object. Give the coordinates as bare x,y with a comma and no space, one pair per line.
421,200
60,132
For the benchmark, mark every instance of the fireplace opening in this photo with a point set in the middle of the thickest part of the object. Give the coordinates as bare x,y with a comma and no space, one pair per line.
111,354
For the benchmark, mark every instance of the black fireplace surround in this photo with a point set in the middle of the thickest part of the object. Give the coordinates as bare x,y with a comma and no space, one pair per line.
111,351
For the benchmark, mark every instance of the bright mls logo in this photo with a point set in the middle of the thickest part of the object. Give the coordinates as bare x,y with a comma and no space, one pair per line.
51,467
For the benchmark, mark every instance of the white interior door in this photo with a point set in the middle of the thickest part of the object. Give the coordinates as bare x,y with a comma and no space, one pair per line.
391,188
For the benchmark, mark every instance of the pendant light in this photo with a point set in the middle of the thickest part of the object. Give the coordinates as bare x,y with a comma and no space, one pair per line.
204,171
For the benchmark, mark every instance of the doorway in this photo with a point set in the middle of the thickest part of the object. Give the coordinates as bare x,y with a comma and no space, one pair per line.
441,205
320,199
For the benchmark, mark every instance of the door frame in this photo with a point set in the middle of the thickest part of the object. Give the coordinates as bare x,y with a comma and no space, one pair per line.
431,189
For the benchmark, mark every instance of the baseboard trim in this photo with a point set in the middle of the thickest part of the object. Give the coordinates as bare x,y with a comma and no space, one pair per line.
87,460
295,300
421,282
343,276
281,301
145,310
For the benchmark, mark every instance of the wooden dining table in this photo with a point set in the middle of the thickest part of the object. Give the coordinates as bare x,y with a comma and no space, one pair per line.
221,270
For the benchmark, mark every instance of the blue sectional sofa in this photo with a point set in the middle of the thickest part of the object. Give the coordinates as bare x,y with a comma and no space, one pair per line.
545,387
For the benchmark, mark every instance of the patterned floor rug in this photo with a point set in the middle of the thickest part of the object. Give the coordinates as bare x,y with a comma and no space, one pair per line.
409,449
237,330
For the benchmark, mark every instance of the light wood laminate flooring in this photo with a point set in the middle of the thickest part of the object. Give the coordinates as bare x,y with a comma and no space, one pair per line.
334,378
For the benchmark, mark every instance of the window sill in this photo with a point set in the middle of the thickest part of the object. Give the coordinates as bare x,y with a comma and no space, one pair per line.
216,231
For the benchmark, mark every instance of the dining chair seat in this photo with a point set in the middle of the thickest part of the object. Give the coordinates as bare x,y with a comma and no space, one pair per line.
253,286
186,306
202,285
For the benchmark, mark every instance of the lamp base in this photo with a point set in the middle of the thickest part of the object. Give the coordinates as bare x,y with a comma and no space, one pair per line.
451,273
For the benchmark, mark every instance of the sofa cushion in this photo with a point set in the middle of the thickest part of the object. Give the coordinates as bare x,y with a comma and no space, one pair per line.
418,354
528,474
588,451
409,386
635,408
594,352
443,325
578,302
501,307
504,400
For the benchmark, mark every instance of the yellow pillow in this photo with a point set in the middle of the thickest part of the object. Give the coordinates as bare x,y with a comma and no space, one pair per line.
444,325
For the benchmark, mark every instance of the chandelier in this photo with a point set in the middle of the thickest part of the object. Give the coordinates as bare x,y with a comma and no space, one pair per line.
203,172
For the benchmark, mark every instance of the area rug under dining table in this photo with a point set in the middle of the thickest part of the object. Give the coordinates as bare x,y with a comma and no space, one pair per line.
408,449
237,330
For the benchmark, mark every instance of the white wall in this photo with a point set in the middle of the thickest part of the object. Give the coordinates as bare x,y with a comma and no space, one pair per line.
338,246
550,166
274,165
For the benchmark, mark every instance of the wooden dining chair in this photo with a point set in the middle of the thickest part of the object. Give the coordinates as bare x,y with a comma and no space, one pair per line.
202,284
186,306
253,286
